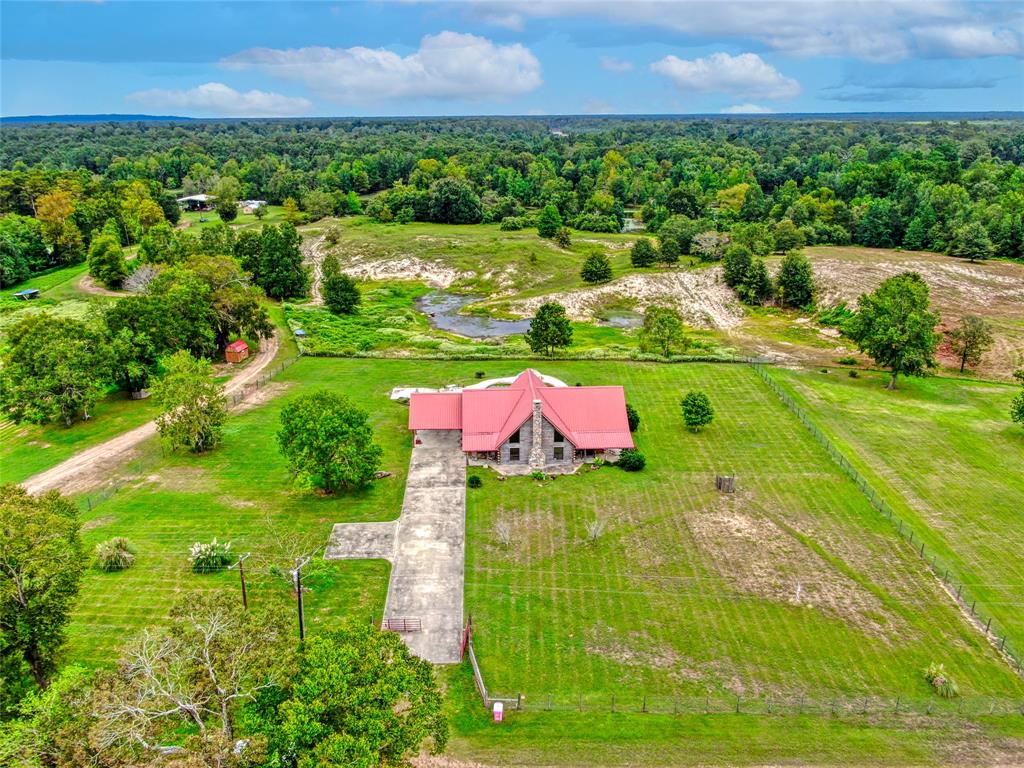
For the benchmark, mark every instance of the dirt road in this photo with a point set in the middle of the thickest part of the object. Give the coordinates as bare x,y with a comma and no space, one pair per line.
92,467
313,253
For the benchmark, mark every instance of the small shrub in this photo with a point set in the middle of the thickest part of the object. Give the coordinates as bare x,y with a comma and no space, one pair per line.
632,417
854,375
631,460
537,475
115,554
503,533
594,529
474,481
848,360
697,410
943,685
563,237
210,557
480,374
824,370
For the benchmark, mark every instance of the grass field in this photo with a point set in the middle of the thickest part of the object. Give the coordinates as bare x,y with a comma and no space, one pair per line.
473,258
947,459
688,592
538,738
684,593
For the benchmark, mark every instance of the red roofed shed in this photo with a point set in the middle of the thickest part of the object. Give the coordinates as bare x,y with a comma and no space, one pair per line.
236,351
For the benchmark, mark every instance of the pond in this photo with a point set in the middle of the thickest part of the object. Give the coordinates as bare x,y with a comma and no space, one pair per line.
443,310
623,318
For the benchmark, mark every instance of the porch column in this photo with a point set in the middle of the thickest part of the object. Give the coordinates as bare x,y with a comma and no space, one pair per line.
537,442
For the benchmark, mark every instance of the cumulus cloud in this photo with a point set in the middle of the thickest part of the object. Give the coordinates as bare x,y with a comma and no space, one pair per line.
966,42
613,64
448,65
747,109
744,75
871,31
223,101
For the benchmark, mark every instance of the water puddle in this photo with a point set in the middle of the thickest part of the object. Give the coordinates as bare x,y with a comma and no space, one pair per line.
443,310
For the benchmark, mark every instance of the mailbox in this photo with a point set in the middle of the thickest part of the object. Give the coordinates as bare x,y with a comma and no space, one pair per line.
499,711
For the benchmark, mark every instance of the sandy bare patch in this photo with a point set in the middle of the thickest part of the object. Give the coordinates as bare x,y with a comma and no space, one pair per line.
761,558
313,256
182,478
98,522
610,245
699,295
638,649
259,396
434,274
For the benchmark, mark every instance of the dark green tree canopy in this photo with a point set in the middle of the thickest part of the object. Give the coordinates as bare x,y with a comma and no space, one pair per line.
41,564
697,410
894,325
549,329
328,441
341,294
596,269
795,280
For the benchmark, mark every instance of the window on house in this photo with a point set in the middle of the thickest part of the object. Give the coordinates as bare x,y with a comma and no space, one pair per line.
513,454
515,437
558,437
559,452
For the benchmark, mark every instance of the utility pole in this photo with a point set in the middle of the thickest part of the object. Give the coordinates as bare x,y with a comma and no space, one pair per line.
241,575
297,577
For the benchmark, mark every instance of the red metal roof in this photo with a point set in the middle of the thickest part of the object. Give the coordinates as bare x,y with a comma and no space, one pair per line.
435,410
588,417
237,345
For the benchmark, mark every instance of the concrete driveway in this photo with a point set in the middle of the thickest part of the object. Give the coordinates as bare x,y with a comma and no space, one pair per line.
426,547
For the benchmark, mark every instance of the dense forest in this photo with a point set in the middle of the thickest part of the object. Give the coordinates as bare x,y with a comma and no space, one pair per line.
953,187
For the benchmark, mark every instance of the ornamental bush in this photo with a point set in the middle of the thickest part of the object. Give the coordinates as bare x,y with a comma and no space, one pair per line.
942,684
474,481
632,417
631,460
210,557
115,554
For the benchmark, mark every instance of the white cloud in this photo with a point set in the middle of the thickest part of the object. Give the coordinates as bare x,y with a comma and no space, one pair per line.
744,75
747,109
448,65
223,101
966,42
873,31
613,64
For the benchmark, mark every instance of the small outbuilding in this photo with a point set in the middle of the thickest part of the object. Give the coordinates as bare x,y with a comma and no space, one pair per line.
197,202
236,351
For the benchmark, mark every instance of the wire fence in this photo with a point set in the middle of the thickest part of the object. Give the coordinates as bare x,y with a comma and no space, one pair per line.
939,567
132,471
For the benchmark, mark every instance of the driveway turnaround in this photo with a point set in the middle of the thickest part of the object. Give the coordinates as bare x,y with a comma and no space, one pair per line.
426,547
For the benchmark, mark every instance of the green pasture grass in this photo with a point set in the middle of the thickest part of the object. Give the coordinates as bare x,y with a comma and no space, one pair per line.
489,260
27,449
946,457
685,592
690,592
274,215
588,738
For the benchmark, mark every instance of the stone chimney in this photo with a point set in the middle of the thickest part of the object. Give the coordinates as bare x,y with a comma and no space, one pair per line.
537,443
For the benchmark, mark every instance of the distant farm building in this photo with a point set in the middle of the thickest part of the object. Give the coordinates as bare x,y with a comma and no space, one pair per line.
197,202
534,423
250,206
236,351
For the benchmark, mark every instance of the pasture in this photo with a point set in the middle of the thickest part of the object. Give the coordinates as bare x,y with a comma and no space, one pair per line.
945,456
794,584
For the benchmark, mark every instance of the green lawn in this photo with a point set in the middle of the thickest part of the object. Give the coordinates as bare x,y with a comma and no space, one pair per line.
27,449
947,459
688,592
685,593
201,220
593,738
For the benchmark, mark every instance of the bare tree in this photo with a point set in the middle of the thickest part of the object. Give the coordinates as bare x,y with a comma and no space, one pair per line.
503,532
595,528
194,674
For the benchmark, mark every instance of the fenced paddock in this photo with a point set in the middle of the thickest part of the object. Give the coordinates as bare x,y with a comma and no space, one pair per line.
793,583
998,583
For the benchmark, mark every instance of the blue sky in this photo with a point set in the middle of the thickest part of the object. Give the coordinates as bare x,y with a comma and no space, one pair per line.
406,57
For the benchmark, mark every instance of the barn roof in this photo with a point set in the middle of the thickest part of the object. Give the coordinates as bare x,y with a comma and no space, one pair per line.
237,345
588,417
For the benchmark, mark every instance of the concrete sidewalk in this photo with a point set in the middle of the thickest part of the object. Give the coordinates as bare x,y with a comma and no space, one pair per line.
426,547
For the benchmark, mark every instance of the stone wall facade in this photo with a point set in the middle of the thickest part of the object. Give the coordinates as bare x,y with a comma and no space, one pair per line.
548,445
